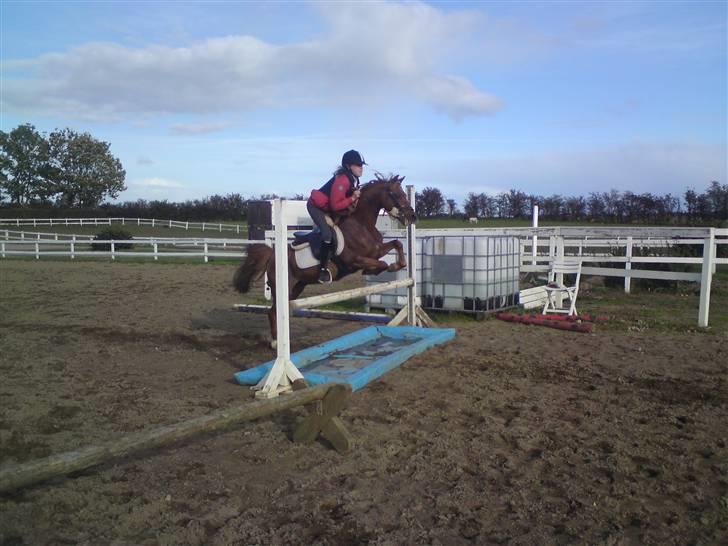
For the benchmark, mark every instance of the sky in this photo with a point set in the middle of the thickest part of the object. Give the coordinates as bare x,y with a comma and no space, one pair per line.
544,97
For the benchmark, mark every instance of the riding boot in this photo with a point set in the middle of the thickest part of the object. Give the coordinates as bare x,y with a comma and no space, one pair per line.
324,273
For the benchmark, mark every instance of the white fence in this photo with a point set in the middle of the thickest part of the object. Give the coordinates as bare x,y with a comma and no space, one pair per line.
604,245
203,226
594,247
144,247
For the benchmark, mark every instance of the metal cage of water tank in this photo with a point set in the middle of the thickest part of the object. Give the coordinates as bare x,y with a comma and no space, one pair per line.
468,273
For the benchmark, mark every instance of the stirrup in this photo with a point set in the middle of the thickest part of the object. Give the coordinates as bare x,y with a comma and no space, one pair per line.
324,276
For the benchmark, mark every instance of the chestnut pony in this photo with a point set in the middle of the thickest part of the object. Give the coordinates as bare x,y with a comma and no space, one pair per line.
363,249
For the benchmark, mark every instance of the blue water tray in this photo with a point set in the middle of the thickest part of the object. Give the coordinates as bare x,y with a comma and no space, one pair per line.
359,357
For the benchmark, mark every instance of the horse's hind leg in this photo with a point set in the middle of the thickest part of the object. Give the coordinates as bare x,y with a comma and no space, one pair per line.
293,292
296,291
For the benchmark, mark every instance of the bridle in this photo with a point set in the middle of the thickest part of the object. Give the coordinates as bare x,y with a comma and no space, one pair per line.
398,208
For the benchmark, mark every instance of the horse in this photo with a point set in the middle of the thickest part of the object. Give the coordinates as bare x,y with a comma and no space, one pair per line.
364,246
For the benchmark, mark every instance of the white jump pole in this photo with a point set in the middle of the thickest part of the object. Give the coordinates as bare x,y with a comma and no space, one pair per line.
283,373
343,295
411,263
534,238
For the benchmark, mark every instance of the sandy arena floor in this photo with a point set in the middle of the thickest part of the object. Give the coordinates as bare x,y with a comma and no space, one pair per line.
510,434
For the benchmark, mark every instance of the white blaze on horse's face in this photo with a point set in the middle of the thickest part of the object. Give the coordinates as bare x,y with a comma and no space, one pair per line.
394,213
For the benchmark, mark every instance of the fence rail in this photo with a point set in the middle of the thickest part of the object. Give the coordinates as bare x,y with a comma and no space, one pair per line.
203,226
157,248
594,247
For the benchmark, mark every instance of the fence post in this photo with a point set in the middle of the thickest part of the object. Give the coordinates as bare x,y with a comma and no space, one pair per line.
559,254
2,248
73,247
706,278
534,239
203,226
628,267
205,252
187,225
37,251
170,224
552,248
112,250
156,254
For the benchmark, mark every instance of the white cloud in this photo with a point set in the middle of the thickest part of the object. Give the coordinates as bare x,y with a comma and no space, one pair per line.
156,183
198,128
371,52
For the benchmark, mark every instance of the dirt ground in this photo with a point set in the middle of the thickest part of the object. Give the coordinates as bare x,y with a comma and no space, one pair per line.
509,434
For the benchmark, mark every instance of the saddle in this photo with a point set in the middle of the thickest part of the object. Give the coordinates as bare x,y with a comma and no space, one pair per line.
307,245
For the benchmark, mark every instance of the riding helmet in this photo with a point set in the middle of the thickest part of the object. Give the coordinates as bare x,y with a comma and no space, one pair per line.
352,157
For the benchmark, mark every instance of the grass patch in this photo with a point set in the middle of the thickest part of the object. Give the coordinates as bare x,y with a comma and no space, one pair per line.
657,311
443,223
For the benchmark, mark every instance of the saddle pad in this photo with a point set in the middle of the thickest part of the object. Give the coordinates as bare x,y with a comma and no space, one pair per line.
304,254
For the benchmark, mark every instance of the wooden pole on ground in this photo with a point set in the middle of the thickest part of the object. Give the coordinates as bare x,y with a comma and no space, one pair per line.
333,396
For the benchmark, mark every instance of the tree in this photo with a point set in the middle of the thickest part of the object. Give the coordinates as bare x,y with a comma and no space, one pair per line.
717,196
501,205
596,206
551,207
470,207
430,202
486,206
24,165
83,169
691,202
575,207
517,204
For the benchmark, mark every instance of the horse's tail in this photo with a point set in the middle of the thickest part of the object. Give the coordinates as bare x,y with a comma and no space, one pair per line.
253,267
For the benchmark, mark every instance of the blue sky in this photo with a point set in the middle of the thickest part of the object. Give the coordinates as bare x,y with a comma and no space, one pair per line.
198,98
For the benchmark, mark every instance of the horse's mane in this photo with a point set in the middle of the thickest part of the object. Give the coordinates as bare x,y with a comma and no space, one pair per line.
381,179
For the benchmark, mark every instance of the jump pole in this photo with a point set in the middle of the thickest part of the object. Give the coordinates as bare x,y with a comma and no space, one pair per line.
318,313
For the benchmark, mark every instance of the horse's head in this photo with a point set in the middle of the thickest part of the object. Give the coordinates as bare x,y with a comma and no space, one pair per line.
393,198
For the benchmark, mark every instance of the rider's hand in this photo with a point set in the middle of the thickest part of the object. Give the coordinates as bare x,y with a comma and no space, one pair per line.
356,195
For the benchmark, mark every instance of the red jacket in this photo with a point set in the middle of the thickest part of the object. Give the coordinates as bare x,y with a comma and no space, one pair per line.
338,200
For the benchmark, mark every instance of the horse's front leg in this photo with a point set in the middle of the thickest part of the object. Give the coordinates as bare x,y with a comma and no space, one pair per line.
401,262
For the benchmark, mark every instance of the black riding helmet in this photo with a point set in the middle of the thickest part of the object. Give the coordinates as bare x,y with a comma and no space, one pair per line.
352,157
